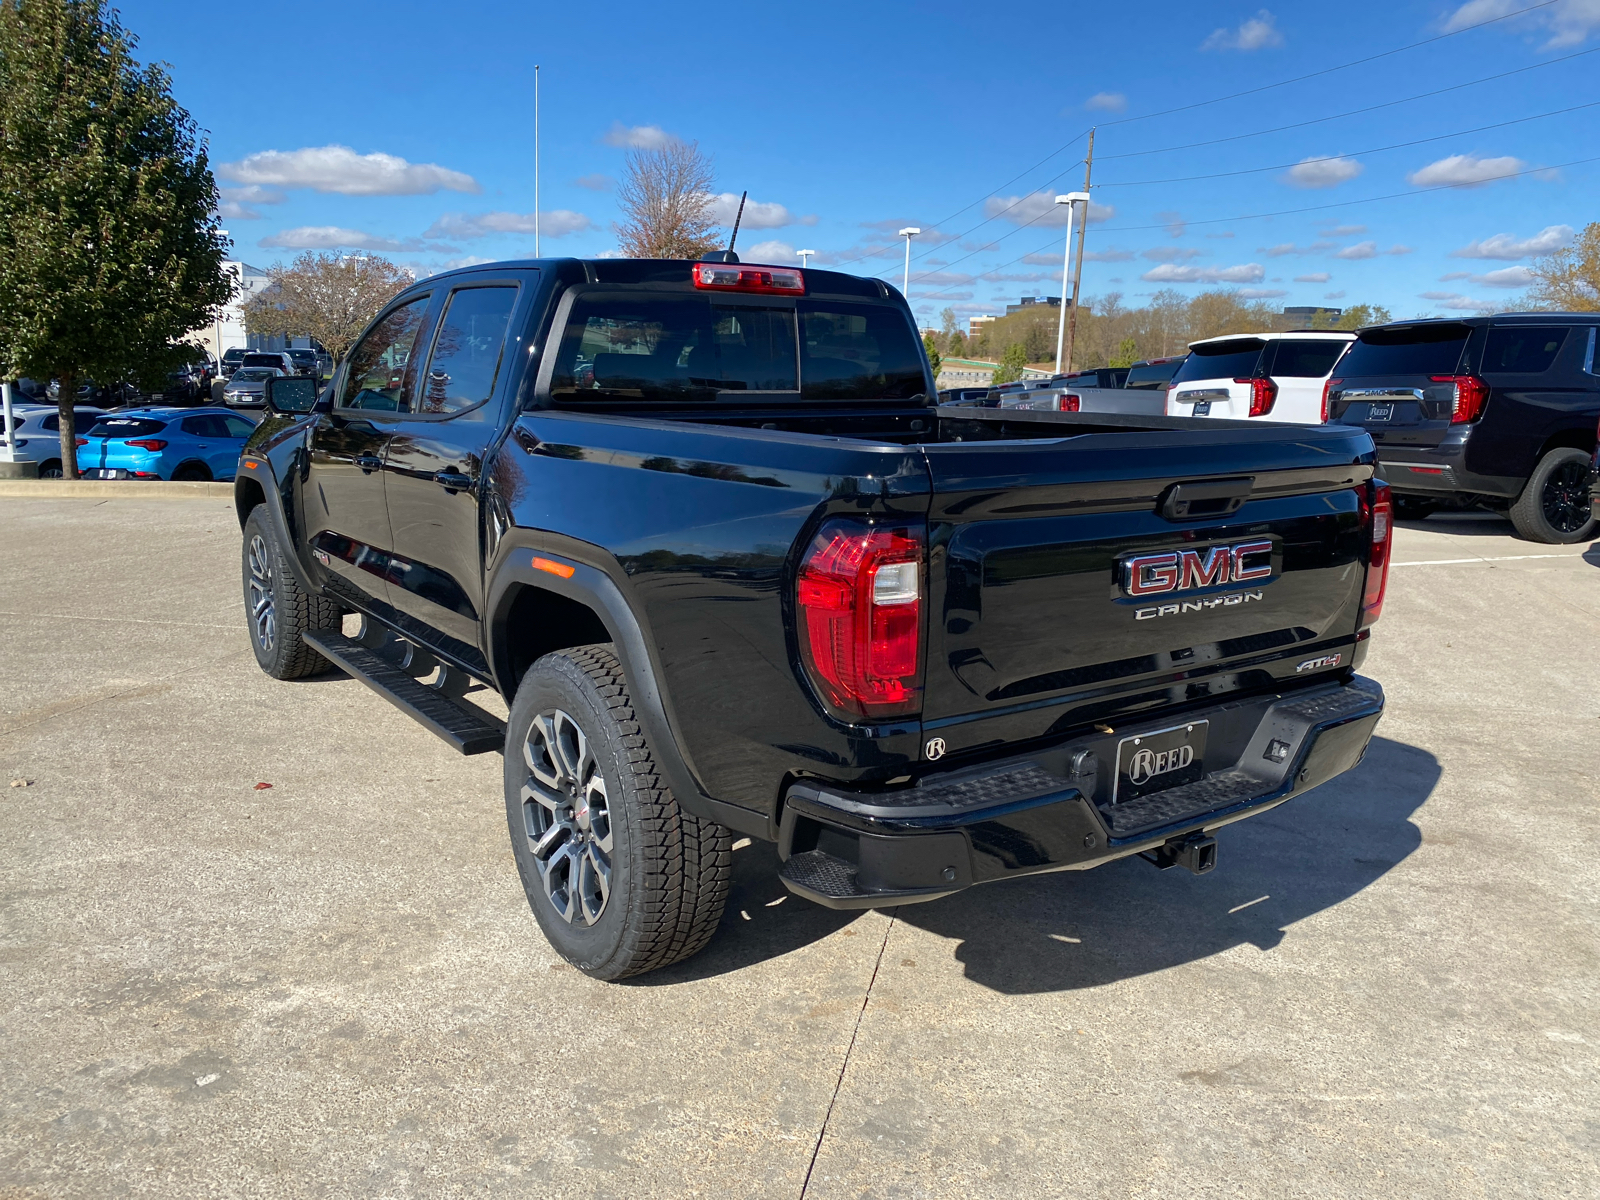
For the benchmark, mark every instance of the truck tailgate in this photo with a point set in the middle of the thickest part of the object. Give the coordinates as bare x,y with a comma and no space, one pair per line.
1034,627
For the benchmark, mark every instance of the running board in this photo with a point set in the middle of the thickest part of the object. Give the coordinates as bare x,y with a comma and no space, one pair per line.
465,726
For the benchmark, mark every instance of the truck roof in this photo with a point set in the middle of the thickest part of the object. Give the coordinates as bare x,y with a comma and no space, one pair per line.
676,270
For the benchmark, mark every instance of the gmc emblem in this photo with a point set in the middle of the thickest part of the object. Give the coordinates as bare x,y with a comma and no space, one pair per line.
1184,570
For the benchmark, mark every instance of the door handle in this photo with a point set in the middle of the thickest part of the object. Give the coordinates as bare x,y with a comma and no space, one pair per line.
368,463
453,481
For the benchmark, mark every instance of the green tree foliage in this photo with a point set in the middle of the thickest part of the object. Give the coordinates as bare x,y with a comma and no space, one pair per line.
957,345
330,297
109,247
1359,316
1012,360
934,359
1127,353
1569,279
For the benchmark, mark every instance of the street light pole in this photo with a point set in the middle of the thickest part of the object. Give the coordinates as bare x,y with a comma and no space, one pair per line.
908,233
1071,201
536,160
216,327
804,256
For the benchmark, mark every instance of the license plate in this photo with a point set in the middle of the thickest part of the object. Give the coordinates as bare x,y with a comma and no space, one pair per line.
1202,408
105,473
1380,412
1154,762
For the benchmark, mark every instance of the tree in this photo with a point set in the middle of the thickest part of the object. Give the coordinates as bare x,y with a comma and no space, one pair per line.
666,196
1359,316
1127,353
1012,360
329,297
109,246
1569,279
934,360
957,345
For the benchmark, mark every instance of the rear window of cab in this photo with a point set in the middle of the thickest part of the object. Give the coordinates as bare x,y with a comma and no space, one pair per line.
127,427
1406,350
694,349
1235,358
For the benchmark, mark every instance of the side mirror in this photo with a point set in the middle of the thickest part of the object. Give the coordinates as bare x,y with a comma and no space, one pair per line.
289,395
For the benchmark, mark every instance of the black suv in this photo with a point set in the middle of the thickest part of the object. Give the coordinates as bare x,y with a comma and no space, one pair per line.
1497,412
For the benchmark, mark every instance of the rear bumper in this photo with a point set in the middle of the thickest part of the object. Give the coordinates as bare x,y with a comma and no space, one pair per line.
1441,472
1051,810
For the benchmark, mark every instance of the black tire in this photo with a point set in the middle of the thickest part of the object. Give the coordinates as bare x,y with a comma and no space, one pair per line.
603,812
192,473
1554,506
50,469
277,608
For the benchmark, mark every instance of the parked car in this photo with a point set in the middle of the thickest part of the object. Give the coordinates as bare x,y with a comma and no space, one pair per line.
1099,390
38,433
189,384
271,358
232,360
164,443
1153,373
919,648
1275,376
306,361
108,395
245,387
1498,412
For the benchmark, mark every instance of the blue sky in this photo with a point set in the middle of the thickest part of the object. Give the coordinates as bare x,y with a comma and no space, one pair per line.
408,129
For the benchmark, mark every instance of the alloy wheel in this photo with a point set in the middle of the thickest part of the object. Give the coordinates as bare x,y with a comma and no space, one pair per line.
567,818
263,618
1566,497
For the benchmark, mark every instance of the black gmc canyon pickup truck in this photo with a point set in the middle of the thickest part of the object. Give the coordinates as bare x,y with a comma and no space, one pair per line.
733,574
1498,412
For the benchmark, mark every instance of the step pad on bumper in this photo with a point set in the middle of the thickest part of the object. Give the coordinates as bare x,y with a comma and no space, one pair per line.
835,883
465,726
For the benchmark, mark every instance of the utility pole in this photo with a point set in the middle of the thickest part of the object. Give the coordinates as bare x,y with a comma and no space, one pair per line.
536,160
1077,267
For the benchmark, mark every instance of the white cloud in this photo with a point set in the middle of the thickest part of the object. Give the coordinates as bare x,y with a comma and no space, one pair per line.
1334,230
1283,248
1258,33
1107,256
1176,225
467,260
1465,170
757,215
232,210
638,137
1333,295
596,182
1314,277
1506,277
941,279
1322,172
1569,21
1507,248
556,223
1261,293
775,253
253,194
340,169
333,237
1172,253
1107,102
1171,273
1040,208
939,294
1359,250
1456,302
1452,276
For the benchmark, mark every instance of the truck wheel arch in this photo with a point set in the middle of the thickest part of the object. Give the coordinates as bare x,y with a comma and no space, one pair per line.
588,606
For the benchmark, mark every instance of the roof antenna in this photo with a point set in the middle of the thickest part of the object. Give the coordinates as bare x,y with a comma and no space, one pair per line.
728,255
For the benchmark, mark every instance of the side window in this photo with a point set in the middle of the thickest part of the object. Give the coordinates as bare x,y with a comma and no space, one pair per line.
1592,360
1522,349
1307,359
376,378
197,426
52,423
467,349
238,427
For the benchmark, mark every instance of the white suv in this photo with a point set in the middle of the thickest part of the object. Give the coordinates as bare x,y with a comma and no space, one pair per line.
1277,376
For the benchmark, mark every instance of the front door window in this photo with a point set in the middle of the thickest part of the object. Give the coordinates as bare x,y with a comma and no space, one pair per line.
378,379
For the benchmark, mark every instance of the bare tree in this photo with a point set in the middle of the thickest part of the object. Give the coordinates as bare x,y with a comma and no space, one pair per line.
666,197
1569,279
329,297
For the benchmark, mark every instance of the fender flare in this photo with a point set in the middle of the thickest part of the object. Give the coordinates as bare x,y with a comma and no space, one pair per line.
266,479
595,588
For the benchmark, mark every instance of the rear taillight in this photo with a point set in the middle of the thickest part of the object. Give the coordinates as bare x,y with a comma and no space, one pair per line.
859,600
1378,516
1069,403
150,444
80,441
1471,395
726,277
1327,387
1263,395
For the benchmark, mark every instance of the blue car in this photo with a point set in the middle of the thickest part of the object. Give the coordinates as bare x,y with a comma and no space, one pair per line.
164,443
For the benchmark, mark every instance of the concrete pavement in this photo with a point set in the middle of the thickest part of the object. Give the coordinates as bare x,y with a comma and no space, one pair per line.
334,987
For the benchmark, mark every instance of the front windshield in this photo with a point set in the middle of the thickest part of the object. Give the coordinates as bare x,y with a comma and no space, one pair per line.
253,374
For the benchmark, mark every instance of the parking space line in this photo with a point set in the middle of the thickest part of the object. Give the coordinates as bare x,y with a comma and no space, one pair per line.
1450,562
115,620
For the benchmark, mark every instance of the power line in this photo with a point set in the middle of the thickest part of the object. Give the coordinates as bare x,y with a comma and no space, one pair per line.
1374,150
1354,112
1267,87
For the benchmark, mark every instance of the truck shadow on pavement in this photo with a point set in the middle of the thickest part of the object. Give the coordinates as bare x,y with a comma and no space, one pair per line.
1079,929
